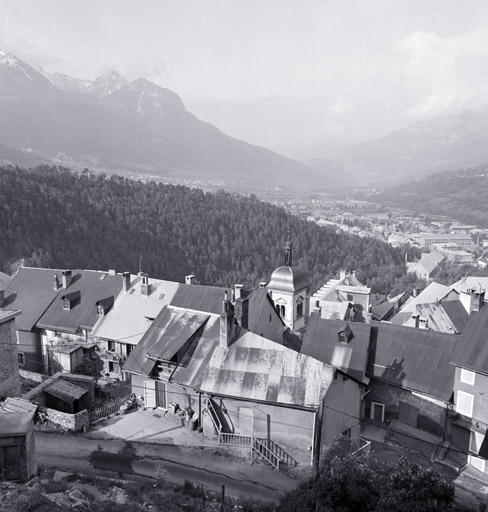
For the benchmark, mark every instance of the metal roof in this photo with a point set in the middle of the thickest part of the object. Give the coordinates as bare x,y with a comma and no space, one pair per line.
31,291
15,423
207,299
263,318
416,359
92,287
383,311
472,350
17,404
321,341
8,314
288,279
448,316
65,390
132,313
471,283
255,368
167,335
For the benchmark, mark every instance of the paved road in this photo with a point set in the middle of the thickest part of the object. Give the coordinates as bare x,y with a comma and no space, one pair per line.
173,463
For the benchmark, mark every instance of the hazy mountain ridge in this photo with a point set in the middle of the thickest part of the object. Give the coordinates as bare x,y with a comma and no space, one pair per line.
445,143
111,123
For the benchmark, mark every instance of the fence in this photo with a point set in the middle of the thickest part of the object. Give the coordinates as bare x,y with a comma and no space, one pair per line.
111,407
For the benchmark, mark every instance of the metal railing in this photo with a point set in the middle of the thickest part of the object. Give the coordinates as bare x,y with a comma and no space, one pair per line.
259,447
284,457
111,407
215,417
235,439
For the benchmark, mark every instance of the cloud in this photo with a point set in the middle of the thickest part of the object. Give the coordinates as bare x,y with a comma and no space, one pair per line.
445,75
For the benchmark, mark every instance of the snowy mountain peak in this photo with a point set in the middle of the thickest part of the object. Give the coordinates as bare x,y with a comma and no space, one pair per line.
10,61
107,83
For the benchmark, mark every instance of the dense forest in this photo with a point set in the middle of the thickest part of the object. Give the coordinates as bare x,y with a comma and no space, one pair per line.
459,194
53,217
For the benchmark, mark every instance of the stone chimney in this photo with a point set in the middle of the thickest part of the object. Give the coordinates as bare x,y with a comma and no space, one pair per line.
67,276
126,281
227,327
190,279
241,311
56,284
145,286
477,300
238,291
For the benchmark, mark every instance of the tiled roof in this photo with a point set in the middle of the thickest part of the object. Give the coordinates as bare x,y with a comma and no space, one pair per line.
91,287
207,299
472,350
255,368
31,291
132,313
416,359
322,342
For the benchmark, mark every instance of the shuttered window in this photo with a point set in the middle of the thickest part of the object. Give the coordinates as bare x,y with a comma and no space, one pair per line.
467,376
464,403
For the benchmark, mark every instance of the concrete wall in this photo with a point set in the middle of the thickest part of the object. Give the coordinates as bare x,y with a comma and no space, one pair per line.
342,408
431,412
9,366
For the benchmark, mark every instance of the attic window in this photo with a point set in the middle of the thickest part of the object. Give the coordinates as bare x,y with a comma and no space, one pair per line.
345,335
66,304
100,310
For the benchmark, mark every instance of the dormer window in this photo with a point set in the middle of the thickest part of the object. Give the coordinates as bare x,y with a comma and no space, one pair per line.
70,300
104,305
345,335
100,310
66,304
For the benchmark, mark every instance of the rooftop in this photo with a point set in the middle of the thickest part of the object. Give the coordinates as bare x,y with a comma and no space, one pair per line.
288,279
15,423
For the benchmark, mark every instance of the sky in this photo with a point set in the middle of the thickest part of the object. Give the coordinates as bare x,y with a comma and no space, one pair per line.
303,77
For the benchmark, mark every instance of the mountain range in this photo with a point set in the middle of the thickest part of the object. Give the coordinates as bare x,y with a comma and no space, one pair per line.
128,127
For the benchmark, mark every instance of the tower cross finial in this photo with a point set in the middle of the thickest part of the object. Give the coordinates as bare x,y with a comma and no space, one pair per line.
288,251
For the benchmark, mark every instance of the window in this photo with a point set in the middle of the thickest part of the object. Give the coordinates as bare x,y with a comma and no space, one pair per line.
300,310
111,346
464,403
282,311
21,358
66,304
475,441
467,377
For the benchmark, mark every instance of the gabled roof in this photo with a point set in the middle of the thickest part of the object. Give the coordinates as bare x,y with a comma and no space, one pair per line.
427,263
91,287
448,316
322,342
471,283
383,311
433,293
132,313
255,368
8,314
472,349
31,291
65,390
169,332
416,359
263,318
207,299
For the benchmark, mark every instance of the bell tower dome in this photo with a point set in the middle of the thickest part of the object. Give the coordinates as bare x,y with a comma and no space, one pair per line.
289,288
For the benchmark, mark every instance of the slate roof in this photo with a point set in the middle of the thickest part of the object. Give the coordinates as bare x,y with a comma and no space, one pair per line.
472,350
132,313
383,311
91,286
321,341
207,299
169,332
254,368
31,291
416,359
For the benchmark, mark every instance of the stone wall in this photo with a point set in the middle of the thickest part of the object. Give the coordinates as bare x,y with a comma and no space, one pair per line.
74,422
431,412
36,377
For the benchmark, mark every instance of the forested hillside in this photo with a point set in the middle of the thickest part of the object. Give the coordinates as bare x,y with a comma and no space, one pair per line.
459,194
56,218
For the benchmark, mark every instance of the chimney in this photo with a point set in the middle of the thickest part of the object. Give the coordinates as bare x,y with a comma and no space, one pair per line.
56,282
423,323
317,308
417,320
190,279
226,323
112,272
262,284
2,297
238,291
477,300
66,277
145,286
126,281
342,274
241,311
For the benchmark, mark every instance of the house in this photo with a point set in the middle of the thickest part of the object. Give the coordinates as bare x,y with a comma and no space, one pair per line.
424,268
18,460
411,378
468,425
119,330
9,360
31,291
82,298
461,240
342,299
237,381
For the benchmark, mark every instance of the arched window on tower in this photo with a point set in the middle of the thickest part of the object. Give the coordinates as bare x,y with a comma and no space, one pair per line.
299,309
282,311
